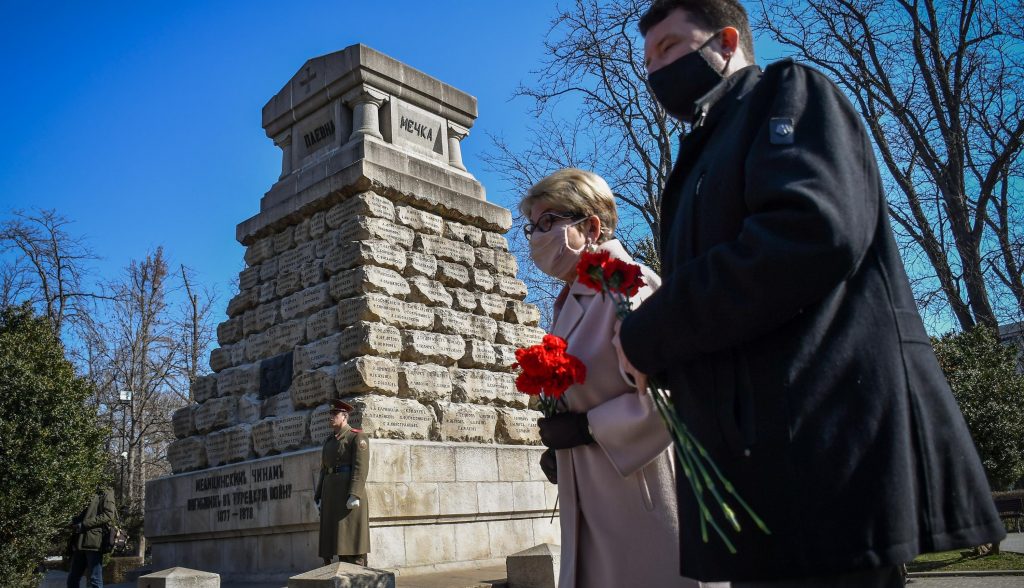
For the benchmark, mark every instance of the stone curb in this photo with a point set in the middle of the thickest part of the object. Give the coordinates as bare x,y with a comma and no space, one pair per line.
966,574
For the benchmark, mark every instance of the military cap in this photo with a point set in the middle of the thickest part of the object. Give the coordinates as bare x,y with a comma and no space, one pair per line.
341,406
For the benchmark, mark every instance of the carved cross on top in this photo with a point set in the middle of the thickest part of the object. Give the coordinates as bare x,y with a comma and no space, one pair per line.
307,78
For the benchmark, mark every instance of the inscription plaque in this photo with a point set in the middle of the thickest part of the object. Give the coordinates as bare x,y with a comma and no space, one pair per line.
518,427
426,347
425,383
382,417
466,422
367,375
367,279
365,338
314,387
291,431
419,220
362,204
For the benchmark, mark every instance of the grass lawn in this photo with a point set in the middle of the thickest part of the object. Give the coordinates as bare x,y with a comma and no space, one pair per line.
958,561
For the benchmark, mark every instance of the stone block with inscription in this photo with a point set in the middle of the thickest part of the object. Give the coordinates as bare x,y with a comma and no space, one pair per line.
511,287
492,305
285,285
230,331
320,424
250,408
239,380
220,358
506,393
419,220
248,278
259,251
452,274
445,249
291,431
368,280
350,254
425,383
493,240
364,338
518,427
466,422
463,299
522,313
230,445
363,204
367,375
263,437
278,404
505,357
204,388
183,421
468,234
314,387
382,308
519,335
427,347
326,351
312,273
365,228
420,264
429,292
392,418
479,354
187,454
283,337
306,302
322,324
216,413
474,386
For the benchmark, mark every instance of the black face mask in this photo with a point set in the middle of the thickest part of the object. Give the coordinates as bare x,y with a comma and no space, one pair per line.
678,85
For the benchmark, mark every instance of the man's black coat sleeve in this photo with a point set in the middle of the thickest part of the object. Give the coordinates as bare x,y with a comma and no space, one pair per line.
812,211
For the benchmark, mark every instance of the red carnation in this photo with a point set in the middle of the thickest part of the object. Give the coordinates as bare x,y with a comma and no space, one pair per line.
590,269
624,278
548,371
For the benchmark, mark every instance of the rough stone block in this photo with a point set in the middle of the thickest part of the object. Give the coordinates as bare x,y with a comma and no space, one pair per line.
259,251
230,445
511,287
320,424
365,338
317,224
306,302
363,204
216,413
284,239
312,273
505,263
483,258
220,359
268,270
425,383
204,388
536,567
481,280
522,313
419,220
463,299
291,431
229,331
249,278
292,261
425,347
466,422
452,274
420,264
250,408
242,302
519,335
263,437
187,454
238,352
445,249
283,337
367,375
463,233
326,351
506,393
183,421
179,578
261,318
278,404
505,357
350,254
366,280
364,228
314,387
325,244
479,354
322,324
239,380
451,322
302,232
383,308
491,305
381,417
287,284
518,427
343,575
429,292
474,386
257,347
495,241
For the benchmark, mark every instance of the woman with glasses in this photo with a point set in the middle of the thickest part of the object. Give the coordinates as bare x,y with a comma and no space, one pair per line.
609,451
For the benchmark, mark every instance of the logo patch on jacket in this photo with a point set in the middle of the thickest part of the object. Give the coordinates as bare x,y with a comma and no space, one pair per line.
781,131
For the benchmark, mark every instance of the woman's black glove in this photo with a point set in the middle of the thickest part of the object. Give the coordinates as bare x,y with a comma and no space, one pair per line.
565,430
549,465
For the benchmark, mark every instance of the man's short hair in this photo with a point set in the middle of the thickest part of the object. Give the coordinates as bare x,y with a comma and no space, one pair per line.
713,15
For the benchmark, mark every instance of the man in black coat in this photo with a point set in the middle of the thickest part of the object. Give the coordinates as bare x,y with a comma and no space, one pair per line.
786,328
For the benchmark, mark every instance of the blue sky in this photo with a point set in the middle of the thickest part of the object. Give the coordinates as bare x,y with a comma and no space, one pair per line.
140,121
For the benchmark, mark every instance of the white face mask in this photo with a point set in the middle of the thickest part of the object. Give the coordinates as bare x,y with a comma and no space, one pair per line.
551,252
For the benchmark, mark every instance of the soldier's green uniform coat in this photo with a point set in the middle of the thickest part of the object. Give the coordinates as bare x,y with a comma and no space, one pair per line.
344,531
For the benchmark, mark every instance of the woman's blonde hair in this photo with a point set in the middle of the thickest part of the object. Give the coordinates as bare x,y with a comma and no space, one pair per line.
576,191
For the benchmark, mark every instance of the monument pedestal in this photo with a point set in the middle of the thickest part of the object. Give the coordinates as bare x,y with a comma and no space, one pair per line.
433,506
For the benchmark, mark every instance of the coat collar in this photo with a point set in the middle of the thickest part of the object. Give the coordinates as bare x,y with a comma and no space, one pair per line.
572,309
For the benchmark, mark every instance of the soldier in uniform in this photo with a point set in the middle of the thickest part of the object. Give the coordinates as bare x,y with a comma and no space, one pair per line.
341,491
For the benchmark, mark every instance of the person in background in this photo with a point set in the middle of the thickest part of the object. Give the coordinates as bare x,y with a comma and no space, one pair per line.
86,542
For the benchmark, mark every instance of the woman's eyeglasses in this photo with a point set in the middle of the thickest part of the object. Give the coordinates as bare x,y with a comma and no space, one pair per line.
547,221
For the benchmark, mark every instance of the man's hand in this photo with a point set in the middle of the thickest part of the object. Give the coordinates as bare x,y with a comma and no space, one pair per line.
353,502
639,378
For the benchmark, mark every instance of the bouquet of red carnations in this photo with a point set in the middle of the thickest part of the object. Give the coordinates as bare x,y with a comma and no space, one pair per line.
622,280
547,371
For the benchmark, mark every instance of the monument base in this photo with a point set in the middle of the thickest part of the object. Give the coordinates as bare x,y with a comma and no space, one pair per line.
433,507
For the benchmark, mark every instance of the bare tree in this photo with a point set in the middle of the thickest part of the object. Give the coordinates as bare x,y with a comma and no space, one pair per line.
593,110
46,266
939,83
196,335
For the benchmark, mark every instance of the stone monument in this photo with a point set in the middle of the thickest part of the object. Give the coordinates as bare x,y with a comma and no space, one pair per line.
376,272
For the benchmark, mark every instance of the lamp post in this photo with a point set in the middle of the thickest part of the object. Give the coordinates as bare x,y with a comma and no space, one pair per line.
124,400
